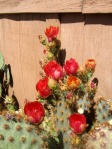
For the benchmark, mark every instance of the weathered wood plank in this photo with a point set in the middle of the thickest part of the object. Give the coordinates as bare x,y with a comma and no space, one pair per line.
97,6
22,49
72,35
90,36
43,6
98,45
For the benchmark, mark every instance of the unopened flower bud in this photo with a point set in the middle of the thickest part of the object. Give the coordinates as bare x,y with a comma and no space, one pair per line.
50,56
42,40
52,83
90,64
81,70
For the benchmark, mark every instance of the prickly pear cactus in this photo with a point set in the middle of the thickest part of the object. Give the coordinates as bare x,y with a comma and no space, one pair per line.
103,110
16,132
99,137
84,103
62,113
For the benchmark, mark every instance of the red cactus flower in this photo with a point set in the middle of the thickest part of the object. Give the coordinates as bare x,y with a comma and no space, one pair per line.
77,123
90,64
54,70
43,88
51,32
71,67
34,111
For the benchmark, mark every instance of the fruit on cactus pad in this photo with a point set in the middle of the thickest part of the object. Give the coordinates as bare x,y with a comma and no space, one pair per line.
77,123
54,70
34,111
90,64
51,32
71,66
43,88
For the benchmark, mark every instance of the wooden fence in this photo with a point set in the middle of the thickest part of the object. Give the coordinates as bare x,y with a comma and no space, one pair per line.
83,36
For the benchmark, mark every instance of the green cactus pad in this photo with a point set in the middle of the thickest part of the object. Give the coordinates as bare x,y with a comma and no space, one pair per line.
103,110
100,137
17,133
62,113
84,103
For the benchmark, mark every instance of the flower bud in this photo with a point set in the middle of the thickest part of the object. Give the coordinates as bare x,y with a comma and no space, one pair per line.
81,70
52,83
50,56
73,82
90,64
42,40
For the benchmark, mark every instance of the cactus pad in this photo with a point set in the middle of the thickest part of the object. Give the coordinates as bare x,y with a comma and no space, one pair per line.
16,132
103,110
100,137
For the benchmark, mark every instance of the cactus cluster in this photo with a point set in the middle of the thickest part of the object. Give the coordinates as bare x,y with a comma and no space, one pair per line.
71,91
65,115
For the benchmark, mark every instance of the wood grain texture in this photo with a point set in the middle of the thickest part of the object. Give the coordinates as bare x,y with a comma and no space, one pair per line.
98,45
72,35
52,6
21,48
83,37
97,6
90,36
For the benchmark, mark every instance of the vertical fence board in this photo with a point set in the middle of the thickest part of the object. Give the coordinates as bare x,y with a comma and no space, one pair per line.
22,49
90,36
83,37
98,45
72,35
